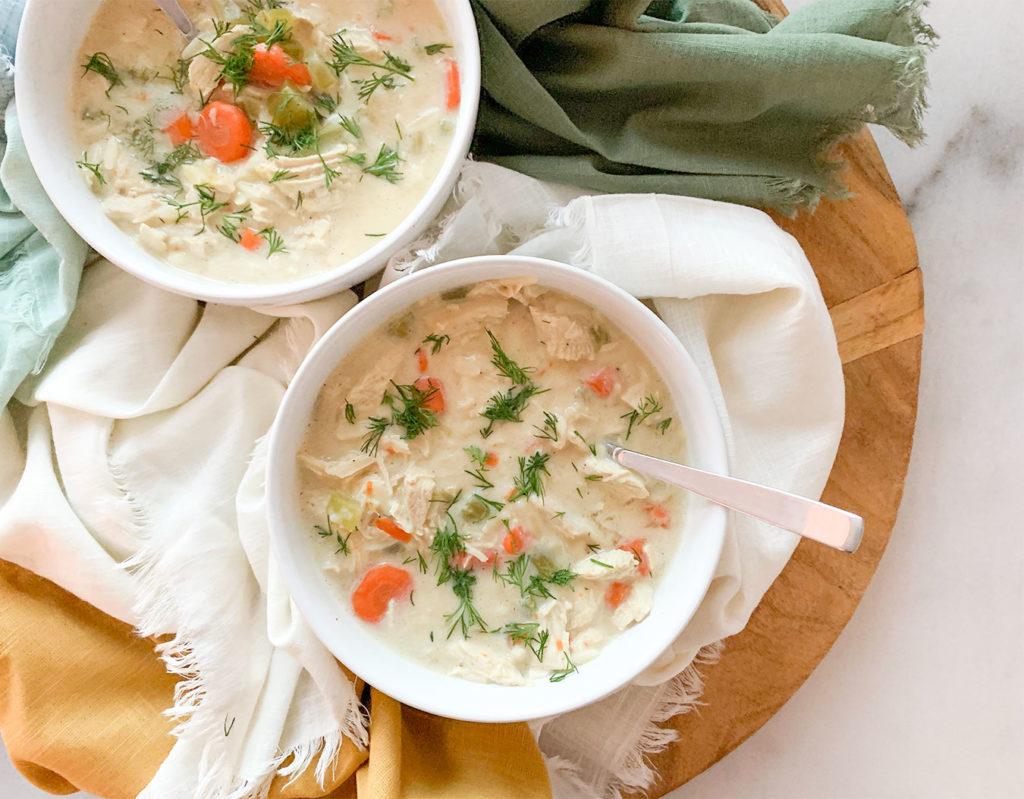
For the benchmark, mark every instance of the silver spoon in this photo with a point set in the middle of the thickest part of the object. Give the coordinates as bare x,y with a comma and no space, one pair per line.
814,520
178,16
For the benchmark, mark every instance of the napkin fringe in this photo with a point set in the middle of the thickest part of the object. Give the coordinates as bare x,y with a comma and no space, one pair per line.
901,112
634,774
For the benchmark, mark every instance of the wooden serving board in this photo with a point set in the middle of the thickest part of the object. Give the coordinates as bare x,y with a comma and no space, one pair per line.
863,252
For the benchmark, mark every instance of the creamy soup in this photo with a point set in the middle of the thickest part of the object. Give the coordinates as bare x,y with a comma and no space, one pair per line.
285,139
457,492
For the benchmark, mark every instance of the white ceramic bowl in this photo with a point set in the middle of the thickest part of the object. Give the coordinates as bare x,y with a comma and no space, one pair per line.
682,583
48,42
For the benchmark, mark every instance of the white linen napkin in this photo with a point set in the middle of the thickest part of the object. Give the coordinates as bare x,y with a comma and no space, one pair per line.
134,477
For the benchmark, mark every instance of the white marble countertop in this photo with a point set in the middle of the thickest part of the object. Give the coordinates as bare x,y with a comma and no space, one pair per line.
923,694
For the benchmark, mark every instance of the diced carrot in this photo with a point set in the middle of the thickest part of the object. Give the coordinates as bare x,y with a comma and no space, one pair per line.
300,75
435,400
381,37
272,66
636,547
453,94
180,130
492,460
602,381
617,593
391,527
250,239
422,361
658,515
516,540
466,561
379,586
368,489
559,645
224,132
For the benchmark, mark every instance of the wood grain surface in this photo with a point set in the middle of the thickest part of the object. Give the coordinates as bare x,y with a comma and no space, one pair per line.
864,255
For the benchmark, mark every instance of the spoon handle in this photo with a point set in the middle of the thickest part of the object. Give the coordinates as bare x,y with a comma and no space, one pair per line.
178,17
814,520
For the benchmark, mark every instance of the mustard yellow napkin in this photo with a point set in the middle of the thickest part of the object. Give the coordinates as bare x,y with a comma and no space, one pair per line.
82,697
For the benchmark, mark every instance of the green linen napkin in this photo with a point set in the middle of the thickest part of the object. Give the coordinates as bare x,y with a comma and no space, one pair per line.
709,98
41,257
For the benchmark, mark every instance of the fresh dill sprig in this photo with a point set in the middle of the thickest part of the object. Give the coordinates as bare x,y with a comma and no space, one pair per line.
177,75
515,573
220,27
529,633
385,165
436,341
94,168
162,172
663,425
350,412
550,429
519,375
448,542
493,504
206,203
101,64
562,577
434,49
601,563
476,454
236,63
282,174
587,444
561,674
465,616
507,407
647,407
529,481
232,221
478,474
326,102
273,238
376,425
351,126
409,408
593,478
330,532
345,55
369,85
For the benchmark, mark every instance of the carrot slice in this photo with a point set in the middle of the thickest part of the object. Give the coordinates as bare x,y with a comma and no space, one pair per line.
602,382
272,66
516,540
617,593
180,130
435,400
379,586
658,515
224,131
421,360
636,548
250,239
453,94
391,527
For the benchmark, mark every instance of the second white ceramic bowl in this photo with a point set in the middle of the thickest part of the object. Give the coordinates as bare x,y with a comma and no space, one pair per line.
683,581
48,42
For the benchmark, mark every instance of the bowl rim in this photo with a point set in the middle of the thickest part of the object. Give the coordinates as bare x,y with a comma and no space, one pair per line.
124,251
392,671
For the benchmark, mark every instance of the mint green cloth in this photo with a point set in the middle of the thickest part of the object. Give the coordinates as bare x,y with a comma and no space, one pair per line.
709,98
41,257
